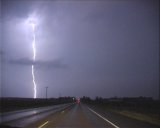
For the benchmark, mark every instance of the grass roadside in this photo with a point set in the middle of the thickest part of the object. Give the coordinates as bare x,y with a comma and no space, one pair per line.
153,119
140,108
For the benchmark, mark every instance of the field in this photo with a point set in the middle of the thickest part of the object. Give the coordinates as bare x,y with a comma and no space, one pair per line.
140,108
12,104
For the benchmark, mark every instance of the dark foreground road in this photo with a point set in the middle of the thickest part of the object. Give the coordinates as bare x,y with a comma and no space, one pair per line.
82,116
78,116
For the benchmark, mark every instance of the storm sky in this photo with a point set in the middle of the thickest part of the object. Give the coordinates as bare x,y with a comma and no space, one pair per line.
89,48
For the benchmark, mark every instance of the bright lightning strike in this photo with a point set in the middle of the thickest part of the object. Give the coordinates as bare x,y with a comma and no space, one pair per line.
34,58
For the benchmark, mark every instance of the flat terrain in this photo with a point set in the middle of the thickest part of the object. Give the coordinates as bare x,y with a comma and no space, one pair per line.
79,116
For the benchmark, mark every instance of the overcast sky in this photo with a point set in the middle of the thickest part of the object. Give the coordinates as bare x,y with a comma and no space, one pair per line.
83,48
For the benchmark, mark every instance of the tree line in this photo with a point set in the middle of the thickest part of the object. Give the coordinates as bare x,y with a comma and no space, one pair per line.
10,104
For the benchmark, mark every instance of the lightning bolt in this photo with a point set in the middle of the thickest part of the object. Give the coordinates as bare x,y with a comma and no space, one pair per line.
34,58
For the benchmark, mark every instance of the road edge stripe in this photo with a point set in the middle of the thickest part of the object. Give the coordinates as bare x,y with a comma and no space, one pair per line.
103,118
43,124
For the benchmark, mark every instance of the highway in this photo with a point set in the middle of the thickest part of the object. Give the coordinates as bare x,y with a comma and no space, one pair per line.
79,116
24,117
28,112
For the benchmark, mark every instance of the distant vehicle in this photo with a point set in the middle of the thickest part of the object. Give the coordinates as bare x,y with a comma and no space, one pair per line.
78,101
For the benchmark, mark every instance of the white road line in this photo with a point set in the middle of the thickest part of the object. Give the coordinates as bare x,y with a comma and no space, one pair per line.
103,118
62,112
43,124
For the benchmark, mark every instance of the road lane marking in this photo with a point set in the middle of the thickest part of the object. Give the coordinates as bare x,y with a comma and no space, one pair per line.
62,112
43,124
103,118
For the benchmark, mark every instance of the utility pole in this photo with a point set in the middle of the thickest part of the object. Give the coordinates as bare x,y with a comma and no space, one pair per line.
59,94
46,91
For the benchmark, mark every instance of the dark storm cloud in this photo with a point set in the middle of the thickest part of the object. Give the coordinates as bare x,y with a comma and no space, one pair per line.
10,8
39,63
1,53
111,47
26,7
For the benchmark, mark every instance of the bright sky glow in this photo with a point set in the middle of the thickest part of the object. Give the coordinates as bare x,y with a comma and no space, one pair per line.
86,46
33,26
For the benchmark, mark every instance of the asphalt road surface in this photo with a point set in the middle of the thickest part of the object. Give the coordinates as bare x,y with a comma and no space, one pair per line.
81,116
8,116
